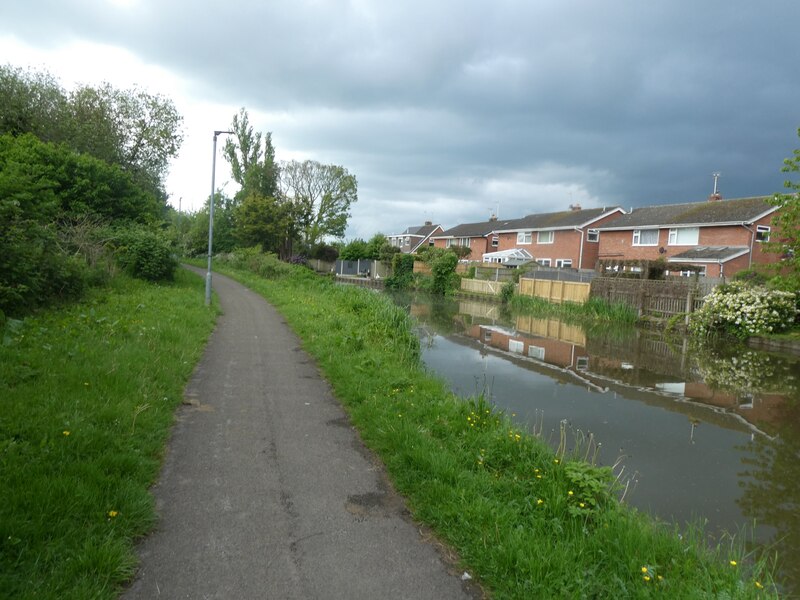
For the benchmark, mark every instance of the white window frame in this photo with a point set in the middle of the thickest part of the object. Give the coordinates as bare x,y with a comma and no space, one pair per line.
536,352
593,235
582,363
564,263
637,237
677,236
762,233
545,237
516,346
524,237
545,262
495,241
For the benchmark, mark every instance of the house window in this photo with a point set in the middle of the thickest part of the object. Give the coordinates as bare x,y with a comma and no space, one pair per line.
545,262
690,273
487,335
536,352
407,240
684,236
464,242
593,235
516,346
545,237
582,363
524,237
762,233
563,263
645,237
495,241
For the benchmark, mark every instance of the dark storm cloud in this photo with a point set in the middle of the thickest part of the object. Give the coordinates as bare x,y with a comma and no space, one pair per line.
452,107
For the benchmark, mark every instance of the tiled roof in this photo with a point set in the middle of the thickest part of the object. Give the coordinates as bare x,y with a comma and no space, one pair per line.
719,212
710,254
481,229
567,219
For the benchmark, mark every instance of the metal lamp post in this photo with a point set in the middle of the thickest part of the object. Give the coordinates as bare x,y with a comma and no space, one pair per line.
211,217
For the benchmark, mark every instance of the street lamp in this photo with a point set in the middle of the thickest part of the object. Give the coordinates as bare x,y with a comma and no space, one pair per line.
211,217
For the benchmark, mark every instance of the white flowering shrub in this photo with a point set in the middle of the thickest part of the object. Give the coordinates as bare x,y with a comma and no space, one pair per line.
741,311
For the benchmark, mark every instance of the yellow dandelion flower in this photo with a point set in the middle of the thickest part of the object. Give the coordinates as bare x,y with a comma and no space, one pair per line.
646,577
733,563
582,505
539,501
660,578
556,461
644,569
758,585
569,493
112,513
538,477
65,432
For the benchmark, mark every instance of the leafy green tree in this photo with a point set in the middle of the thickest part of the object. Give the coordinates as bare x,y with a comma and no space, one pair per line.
224,236
356,249
32,102
252,165
33,270
322,195
787,218
262,220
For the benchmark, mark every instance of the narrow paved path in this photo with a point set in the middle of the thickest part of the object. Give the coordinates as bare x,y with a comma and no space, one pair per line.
266,489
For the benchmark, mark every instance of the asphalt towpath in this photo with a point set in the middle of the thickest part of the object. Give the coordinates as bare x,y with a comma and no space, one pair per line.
268,492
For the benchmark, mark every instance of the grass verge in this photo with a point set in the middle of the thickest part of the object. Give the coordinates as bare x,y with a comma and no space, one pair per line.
87,396
526,522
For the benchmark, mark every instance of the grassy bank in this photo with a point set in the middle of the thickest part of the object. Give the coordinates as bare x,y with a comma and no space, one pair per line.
526,522
87,401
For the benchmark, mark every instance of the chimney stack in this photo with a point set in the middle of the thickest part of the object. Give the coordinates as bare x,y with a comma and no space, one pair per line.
428,223
574,207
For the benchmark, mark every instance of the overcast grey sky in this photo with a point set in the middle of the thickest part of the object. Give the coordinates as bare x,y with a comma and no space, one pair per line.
445,110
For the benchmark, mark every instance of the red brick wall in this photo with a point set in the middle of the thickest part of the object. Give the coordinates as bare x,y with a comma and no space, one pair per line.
566,244
478,245
619,245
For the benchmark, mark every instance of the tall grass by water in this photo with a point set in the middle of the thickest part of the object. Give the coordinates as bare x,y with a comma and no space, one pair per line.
87,397
593,311
527,522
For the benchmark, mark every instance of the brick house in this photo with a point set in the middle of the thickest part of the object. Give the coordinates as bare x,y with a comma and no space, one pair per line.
560,239
415,237
478,237
719,236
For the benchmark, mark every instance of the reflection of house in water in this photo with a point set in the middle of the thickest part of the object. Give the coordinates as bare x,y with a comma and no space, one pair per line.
647,361
547,344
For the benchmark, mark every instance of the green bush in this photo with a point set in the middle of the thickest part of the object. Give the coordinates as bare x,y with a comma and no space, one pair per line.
145,254
402,272
507,292
740,311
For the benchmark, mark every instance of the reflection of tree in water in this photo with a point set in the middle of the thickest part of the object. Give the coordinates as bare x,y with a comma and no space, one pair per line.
771,487
742,370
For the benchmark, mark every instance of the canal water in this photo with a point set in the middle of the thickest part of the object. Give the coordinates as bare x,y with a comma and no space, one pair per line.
704,433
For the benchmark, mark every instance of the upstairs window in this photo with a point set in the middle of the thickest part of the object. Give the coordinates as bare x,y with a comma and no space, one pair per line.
593,235
545,237
524,237
762,233
645,237
684,236
495,241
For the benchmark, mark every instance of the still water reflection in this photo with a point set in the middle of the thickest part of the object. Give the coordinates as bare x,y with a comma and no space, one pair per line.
705,433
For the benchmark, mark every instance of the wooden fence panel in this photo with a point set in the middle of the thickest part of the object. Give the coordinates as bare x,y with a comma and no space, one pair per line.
555,291
481,287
